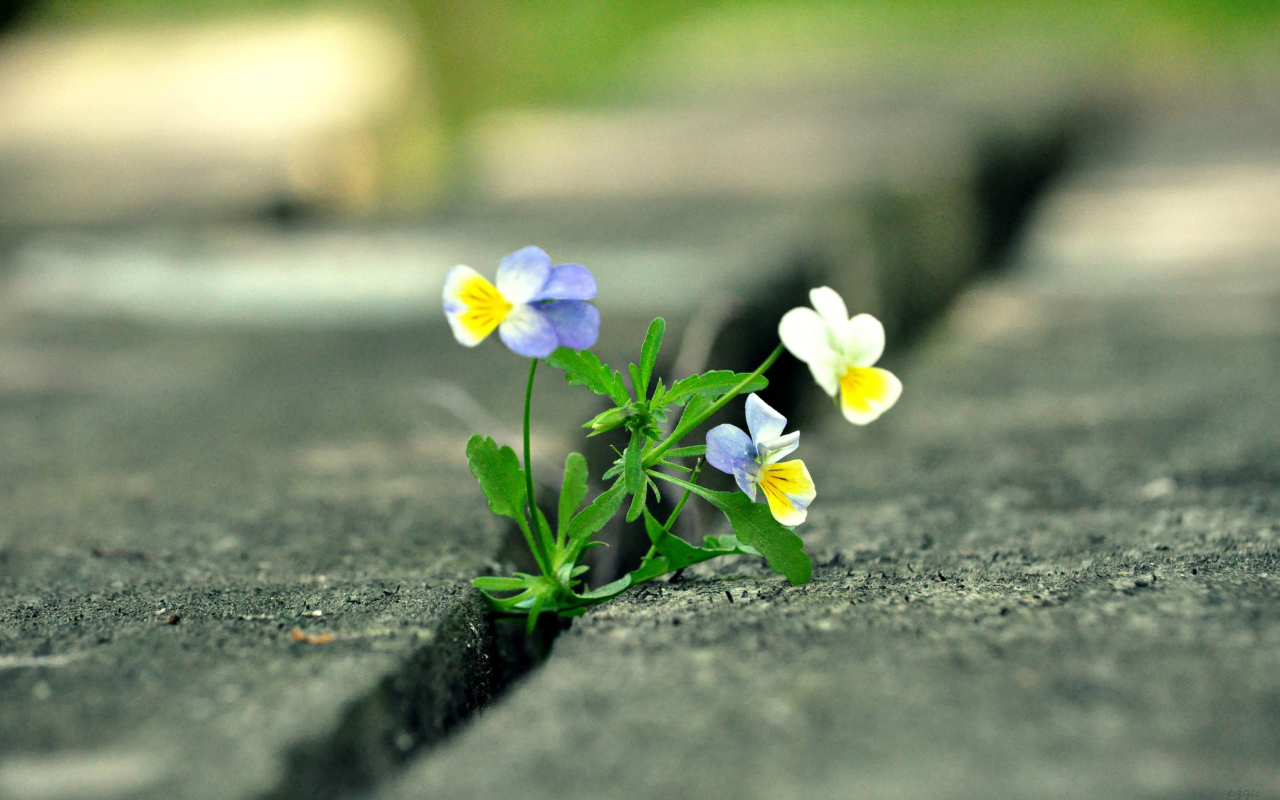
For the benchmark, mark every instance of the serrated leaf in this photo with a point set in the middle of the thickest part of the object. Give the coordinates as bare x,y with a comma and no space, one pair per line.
593,517
711,385
649,354
583,368
501,479
657,402
755,526
572,491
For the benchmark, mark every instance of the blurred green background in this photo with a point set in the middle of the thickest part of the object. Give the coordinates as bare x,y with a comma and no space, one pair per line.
477,56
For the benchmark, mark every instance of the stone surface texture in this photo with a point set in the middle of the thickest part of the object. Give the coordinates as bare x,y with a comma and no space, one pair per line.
1052,571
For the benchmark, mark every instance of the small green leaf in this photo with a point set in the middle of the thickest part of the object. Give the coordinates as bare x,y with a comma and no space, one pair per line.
649,354
609,590
638,500
651,568
711,385
534,611
697,405
656,402
686,452
755,526
729,543
593,517
494,584
500,476
572,491
637,388
583,368
633,462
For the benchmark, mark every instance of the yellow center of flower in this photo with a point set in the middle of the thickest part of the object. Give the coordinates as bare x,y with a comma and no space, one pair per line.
486,307
781,482
862,386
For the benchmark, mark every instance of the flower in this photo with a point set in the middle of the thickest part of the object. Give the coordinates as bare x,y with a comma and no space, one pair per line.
535,307
752,460
840,352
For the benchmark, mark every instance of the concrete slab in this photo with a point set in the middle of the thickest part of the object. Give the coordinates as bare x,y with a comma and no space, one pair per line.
1051,571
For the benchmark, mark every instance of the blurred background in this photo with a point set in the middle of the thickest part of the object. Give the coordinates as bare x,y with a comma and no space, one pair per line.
127,110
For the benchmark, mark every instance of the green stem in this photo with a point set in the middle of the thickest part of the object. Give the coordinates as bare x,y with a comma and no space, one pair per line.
680,432
538,545
675,514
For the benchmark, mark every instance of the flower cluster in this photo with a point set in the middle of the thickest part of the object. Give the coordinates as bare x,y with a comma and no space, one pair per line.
543,312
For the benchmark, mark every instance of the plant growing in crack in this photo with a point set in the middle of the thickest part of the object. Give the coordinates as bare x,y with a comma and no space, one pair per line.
543,312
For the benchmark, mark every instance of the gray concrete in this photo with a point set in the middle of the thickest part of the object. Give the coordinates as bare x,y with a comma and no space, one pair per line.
1052,571
177,505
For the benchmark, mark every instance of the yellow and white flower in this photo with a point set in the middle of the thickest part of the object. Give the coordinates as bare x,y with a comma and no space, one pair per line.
841,353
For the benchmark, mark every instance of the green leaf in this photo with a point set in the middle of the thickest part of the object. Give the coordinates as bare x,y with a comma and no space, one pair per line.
678,552
651,568
593,517
583,368
649,354
697,405
493,584
636,387
656,402
633,463
500,476
711,385
638,500
729,543
686,452
755,526
572,491
609,590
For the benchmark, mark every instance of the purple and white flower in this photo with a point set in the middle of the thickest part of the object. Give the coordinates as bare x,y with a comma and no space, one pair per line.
535,307
753,461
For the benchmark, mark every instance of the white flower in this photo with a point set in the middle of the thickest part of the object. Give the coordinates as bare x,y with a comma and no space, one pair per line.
840,353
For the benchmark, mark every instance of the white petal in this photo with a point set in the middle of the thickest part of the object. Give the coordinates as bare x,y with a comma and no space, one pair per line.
861,339
826,373
523,274
806,335
830,305
774,449
762,420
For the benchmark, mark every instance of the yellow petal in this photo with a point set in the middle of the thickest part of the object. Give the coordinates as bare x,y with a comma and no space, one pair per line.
474,306
789,490
868,392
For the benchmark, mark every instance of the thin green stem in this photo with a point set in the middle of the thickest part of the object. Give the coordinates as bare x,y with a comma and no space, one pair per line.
680,432
541,551
675,514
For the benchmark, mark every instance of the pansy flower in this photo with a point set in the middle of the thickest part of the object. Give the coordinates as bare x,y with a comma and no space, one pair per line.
840,353
535,307
753,461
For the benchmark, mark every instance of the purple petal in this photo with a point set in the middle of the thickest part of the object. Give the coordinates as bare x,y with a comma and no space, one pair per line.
528,333
522,274
569,282
729,449
763,422
577,322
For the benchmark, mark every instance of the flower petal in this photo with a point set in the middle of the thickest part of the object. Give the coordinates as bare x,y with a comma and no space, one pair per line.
568,282
862,340
763,422
774,449
807,336
830,306
528,333
789,489
729,449
577,322
868,392
473,306
522,274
